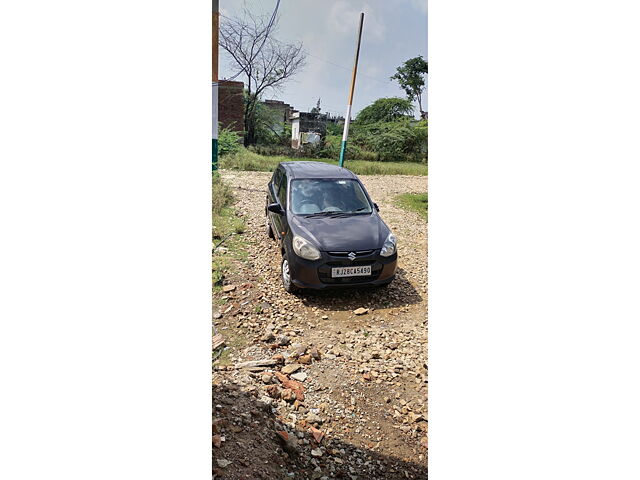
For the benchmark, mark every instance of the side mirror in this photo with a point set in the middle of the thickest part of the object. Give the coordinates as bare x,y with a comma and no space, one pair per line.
377,207
275,208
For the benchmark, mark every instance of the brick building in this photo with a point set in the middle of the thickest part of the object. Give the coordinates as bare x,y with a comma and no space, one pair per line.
231,105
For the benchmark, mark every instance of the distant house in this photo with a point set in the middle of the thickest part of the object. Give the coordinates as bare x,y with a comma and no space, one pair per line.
231,105
280,114
307,128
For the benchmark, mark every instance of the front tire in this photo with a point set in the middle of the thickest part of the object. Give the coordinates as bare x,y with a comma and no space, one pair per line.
285,275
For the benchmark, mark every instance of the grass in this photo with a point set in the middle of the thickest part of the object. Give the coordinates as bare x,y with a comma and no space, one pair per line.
417,202
232,344
227,233
250,161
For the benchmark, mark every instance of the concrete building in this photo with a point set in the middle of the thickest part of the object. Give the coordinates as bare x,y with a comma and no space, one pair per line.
307,128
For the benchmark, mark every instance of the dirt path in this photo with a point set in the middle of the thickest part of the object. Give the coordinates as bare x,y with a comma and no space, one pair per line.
366,378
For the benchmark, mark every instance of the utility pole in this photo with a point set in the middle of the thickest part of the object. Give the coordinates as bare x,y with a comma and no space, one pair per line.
214,136
347,118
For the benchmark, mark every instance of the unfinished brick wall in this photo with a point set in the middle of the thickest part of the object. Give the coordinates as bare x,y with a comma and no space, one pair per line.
230,105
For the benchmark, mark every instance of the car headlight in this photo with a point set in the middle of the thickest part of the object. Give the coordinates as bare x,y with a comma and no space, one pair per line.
304,249
389,247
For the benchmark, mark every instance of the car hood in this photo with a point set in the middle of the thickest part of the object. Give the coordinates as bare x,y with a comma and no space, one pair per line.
342,234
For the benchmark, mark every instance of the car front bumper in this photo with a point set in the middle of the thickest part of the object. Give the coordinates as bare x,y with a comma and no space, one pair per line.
316,274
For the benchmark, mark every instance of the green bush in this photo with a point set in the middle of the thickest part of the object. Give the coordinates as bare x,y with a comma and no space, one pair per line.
228,142
399,140
335,128
333,144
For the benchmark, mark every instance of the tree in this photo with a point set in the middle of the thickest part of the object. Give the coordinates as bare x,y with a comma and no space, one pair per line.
411,77
265,62
385,110
316,109
269,126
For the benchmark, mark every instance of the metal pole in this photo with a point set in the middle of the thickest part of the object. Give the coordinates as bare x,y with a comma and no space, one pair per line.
347,118
214,135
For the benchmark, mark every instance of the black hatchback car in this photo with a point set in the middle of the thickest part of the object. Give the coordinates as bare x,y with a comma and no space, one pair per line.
328,229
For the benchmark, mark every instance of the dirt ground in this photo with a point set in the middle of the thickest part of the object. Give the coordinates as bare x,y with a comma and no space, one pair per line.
340,395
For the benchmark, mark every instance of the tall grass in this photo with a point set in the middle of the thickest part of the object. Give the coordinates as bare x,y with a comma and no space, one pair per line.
417,202
250,161
227,227
221,195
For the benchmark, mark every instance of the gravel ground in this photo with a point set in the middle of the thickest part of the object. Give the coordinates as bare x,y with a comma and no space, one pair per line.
330,394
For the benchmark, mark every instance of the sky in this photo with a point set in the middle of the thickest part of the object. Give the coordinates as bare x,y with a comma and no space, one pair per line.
393,31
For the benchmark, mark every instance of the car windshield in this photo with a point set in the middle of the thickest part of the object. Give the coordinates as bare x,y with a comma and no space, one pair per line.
317,196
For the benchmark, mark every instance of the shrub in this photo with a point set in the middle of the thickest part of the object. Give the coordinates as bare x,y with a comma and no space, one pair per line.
393,141
228,142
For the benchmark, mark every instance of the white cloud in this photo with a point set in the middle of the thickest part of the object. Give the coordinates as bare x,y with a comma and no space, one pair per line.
343,20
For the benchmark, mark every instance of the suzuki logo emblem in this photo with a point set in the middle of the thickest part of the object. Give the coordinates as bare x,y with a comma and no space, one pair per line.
352,256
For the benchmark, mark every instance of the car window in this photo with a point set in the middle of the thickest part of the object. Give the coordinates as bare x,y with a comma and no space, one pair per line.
282,191
275,181
310,196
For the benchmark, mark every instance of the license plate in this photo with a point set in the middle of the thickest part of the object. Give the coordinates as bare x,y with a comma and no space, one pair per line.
351,271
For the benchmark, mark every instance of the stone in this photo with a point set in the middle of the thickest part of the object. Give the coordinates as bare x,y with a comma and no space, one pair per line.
223,463
318,435
257,363
291,368
298,349
292,384
217,441
313,418
228,288
416,417
300,376
315,353
266,378
288,395
283,340
361,311
268,336
305,359
316,452
274,391
289,442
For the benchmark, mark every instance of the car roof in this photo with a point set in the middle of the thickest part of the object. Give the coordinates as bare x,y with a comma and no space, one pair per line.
315,170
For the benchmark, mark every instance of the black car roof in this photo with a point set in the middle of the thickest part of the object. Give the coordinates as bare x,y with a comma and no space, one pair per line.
315,170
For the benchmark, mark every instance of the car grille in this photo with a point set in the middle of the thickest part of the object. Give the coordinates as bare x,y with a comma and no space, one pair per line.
361,253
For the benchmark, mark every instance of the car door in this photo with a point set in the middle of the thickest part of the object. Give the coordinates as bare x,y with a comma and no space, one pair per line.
281,220
272,197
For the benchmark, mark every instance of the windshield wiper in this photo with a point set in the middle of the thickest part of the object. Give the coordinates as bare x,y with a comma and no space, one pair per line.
323,214
336,213
349,214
